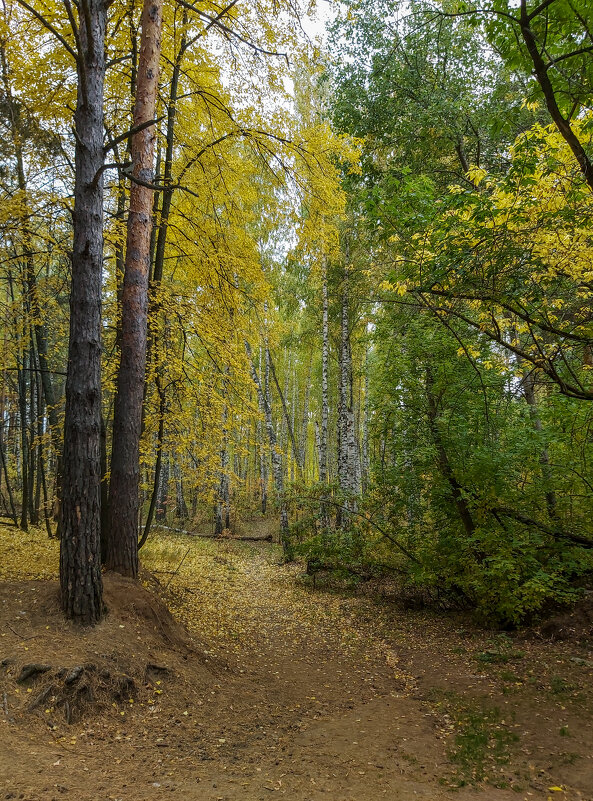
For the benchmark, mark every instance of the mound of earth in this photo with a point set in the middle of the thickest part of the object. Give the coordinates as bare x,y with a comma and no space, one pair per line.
573,624
58,673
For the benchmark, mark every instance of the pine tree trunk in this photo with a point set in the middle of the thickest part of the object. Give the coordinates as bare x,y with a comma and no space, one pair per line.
80,564
323,477
323,460
122,546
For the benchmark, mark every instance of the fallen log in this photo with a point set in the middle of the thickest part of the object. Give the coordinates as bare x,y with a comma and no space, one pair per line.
239,537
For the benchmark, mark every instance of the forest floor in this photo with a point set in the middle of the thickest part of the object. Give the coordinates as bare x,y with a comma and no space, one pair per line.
278,690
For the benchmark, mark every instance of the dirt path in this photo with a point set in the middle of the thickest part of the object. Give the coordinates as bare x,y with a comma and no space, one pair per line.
303,694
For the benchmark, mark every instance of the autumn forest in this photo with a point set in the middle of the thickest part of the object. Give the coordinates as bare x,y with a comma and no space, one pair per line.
297,315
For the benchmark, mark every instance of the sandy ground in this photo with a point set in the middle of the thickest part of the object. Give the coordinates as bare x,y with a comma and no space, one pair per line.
280,690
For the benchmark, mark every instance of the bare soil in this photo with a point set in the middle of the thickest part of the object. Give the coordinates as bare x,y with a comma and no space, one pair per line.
273,688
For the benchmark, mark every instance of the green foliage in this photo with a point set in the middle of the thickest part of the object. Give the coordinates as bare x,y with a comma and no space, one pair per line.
476,226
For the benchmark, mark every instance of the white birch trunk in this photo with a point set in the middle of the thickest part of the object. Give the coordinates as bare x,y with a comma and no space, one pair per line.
276,455
366,462
347,444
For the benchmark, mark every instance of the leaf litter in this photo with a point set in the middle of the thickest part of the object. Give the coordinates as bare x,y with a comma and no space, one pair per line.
279,688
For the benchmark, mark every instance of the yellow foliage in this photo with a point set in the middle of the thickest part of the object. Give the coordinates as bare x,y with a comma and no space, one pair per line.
28,555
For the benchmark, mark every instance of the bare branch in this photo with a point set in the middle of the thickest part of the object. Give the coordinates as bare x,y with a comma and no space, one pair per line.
48,26
136,129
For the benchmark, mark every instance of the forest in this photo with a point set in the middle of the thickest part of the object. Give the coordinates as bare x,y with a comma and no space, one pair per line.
297,326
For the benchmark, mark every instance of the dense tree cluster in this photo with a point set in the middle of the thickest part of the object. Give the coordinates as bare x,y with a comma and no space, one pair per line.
350,290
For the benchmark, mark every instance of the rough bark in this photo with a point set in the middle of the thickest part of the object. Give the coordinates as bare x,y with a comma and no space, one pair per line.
122,546
323,460
80,565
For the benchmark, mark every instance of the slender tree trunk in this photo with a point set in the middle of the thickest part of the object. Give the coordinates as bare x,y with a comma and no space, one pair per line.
529,394
323,433
276,459
122,546
39,447
33,412
223,492
288,422
33,302
3,454
162,502
2,422
263,461
305,422
180,505
158,241
22,387
365,428
158,465
80,564
346,428
263,473
445,467
104,492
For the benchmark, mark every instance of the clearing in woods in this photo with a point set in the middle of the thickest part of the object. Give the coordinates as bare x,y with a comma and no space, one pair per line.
279,689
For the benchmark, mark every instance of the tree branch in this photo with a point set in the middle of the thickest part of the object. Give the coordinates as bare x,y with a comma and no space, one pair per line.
46,24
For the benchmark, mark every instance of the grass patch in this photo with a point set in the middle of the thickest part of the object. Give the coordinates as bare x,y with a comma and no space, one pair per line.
501,652
509,676
559,685
499,657
481,741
